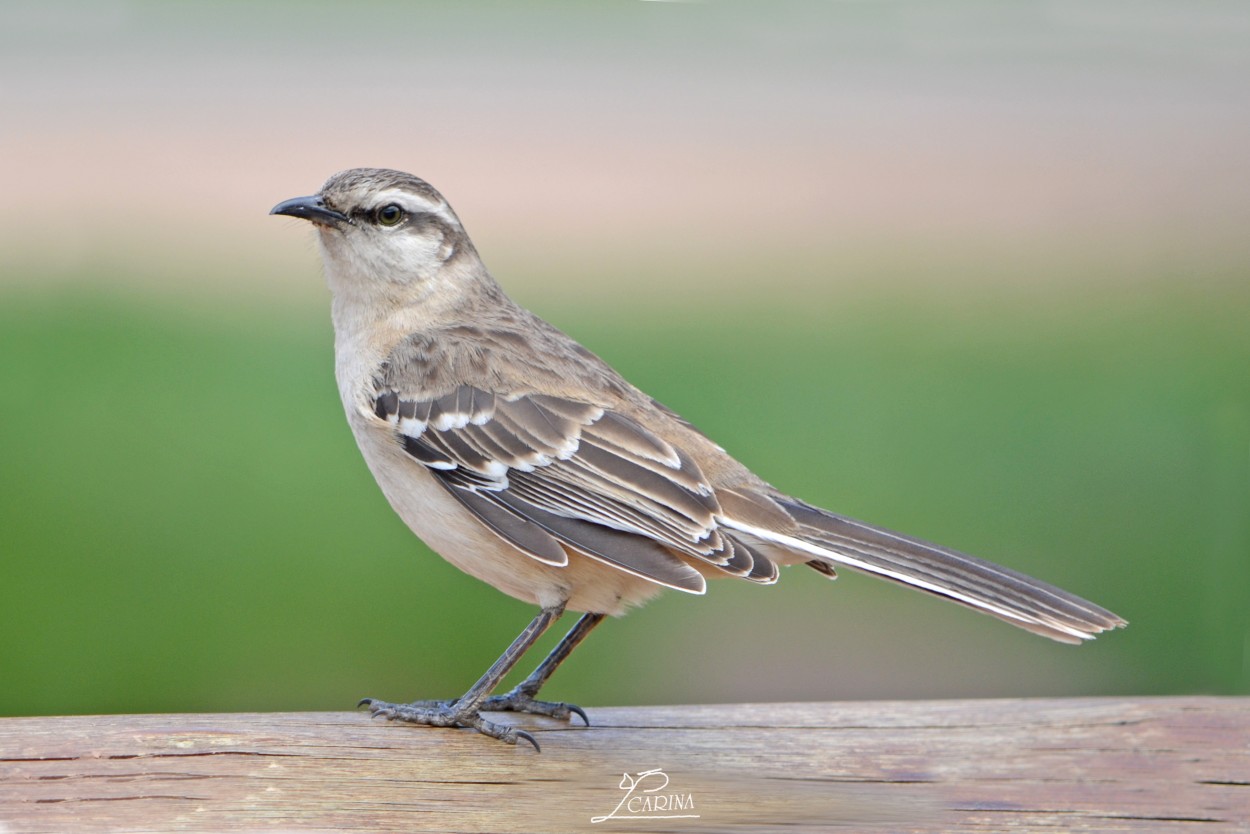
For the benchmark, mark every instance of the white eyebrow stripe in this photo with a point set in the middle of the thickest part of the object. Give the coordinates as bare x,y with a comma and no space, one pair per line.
415,203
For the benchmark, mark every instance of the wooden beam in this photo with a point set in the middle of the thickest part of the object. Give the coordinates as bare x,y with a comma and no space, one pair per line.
1135,765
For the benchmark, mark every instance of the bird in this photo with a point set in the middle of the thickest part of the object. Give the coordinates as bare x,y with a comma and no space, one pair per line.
526,461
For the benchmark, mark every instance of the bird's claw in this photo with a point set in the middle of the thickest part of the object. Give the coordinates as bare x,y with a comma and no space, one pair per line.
445,714
519,734
516,701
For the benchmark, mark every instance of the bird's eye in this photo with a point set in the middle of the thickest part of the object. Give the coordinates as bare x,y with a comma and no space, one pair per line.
390,215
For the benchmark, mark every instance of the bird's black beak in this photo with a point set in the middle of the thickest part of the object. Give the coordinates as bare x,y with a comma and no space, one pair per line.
310,208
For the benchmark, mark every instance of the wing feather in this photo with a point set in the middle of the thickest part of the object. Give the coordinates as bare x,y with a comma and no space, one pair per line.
513,528
549,474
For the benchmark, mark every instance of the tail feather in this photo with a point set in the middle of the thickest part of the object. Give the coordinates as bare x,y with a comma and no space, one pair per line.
984,586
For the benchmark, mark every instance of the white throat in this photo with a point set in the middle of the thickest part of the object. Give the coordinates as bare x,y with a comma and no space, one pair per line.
381,295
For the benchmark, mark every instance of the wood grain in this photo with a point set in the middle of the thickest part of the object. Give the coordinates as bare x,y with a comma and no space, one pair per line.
1135,765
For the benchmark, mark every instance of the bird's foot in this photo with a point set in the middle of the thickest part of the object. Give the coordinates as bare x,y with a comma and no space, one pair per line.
446,714
519,701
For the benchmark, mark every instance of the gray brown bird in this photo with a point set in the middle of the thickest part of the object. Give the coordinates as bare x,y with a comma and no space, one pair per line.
526,461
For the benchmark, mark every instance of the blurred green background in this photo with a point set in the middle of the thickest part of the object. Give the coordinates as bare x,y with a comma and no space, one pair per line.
977,274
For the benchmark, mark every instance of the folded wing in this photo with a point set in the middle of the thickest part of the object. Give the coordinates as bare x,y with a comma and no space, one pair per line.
549,474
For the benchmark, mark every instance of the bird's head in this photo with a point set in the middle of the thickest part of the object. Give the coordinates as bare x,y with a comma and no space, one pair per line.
381,228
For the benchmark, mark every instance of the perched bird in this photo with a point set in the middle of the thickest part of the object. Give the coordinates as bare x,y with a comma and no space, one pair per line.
526,461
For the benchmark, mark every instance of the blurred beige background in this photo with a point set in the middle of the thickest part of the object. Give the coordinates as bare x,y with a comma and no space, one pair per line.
149,132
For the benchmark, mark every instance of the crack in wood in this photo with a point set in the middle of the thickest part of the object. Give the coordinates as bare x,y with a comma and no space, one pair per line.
58,800
1090,814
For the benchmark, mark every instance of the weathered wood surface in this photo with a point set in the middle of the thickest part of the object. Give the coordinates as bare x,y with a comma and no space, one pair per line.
1136,765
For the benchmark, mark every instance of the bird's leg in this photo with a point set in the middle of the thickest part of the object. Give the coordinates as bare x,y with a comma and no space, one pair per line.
463,712
521,697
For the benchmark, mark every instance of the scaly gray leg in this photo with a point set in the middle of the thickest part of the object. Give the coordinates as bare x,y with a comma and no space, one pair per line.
521,698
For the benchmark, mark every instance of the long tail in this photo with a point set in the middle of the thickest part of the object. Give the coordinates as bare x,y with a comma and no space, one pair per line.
984,586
